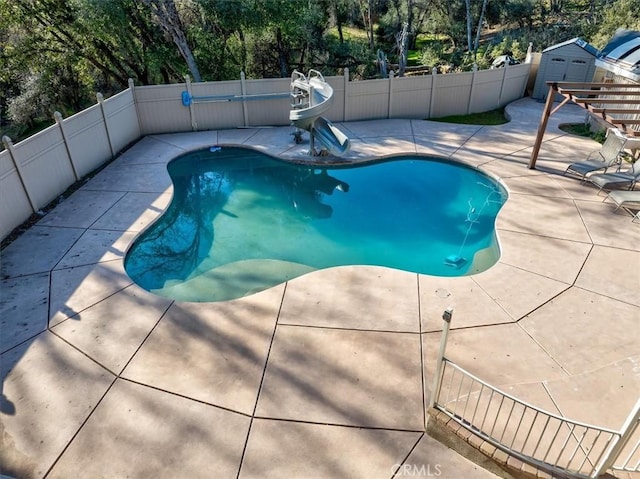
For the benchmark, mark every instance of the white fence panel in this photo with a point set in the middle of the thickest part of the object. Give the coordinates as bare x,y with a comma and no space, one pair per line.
451,96
411,97
515,83
160,109
87,140
45,164
367,100
486,90
337,110
216,114
14,203
268,112
122,119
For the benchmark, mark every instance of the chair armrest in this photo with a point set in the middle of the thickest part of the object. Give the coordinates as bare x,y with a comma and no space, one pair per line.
623,158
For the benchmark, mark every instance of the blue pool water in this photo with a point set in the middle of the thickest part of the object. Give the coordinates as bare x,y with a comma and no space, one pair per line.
241,221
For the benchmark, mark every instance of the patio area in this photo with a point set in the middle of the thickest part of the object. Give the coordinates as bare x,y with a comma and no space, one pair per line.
328,375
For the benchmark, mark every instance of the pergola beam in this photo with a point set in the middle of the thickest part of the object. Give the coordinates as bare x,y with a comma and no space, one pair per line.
594,85
608,101
568,89
583,91
597,109
625,121
563,103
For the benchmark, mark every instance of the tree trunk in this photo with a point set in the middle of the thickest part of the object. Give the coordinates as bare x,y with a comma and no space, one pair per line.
243,50
402,42
366,20
190,59
411,45
371,39
468,5
479,32
169,20
282,58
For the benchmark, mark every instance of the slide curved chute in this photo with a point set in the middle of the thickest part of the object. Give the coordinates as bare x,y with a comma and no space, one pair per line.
311,97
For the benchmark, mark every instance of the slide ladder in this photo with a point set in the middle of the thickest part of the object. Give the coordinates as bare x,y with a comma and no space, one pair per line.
311,96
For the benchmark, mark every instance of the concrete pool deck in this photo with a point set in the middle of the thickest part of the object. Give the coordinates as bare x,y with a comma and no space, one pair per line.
327,375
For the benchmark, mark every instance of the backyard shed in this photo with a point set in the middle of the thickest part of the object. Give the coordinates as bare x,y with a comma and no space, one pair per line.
573,60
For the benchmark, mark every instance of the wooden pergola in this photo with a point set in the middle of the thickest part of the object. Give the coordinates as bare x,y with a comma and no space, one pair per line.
612,102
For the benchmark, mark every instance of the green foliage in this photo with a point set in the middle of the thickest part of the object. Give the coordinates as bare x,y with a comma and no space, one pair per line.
432,55
31,104
599,135
521,11
578,129
529,21
584,129
55,54
508,45
617,14
351,54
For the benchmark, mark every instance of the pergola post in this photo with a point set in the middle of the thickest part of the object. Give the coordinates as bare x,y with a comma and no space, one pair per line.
543,125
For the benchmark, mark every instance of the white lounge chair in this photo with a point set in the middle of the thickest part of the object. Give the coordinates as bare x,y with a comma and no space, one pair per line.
618,180
604,158
628,200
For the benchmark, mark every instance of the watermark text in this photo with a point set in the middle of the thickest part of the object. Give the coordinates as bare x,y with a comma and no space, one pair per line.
417,470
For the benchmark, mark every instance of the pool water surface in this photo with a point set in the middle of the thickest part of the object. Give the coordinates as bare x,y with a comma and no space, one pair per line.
241,221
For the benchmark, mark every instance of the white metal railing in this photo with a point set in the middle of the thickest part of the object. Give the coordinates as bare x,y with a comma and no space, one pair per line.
625,455
550,442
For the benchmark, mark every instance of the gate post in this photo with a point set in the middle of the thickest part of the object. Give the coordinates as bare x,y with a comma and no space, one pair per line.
628,428
437,379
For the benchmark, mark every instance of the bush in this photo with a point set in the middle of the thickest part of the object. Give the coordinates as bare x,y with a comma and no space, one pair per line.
31,105
432,55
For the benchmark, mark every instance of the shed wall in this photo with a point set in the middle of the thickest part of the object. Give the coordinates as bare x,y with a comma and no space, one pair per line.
566,63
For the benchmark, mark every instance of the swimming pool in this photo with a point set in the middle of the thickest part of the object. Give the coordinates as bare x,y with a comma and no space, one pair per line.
241,221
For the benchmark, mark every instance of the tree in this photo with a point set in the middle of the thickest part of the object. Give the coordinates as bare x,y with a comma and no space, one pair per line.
402,40
168,18
116,38
473,47
55,54
58,53
469,21
340,12
556,5
479,30
32,102
618,14
521,11
366,8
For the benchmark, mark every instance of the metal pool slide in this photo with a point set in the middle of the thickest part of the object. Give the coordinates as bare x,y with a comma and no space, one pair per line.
311,96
